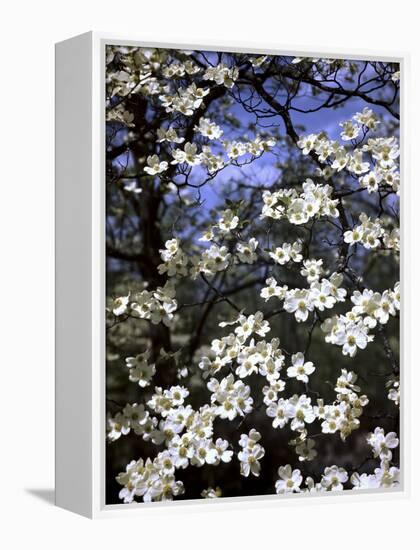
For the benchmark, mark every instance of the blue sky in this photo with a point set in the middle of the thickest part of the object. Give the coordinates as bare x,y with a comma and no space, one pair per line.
263,169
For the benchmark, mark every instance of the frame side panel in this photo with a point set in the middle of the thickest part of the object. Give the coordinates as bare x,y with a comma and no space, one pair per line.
73,209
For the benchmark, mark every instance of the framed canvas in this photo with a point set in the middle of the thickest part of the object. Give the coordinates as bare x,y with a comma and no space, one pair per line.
228,319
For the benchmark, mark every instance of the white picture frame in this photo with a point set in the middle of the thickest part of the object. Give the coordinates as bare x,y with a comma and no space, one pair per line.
80,280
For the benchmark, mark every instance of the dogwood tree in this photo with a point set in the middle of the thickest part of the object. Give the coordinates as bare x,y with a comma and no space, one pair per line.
252,241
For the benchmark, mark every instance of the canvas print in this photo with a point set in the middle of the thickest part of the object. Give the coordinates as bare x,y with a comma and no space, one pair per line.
252,275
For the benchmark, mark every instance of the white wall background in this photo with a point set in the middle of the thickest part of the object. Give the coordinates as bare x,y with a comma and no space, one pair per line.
28,32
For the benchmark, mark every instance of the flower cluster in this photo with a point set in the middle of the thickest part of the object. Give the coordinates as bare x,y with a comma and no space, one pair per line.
351,331
369,233
236,149
273,290
386,475
298,208
222,75
251,454
186,434
319,296
263,357
376,307
352,128
231,397
212,162
170,135
287,252
382,169
334,478
178,69
133,417
186,100
140,370
208,129
175,261
151,480
347,331
228,221
312,269
186,155
157,306
297,409
343,415
245,251
120,114
214,259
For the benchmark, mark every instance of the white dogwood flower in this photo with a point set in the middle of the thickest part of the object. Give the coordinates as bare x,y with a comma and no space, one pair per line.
300,303
119,305
155,166
249,458
299,369
333,478
382,444
290,480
